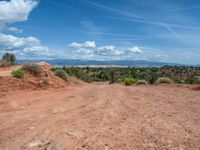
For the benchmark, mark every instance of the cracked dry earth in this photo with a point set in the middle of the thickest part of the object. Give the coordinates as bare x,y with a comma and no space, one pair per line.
100,116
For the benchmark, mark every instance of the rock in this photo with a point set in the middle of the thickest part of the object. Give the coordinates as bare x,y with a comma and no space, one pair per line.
55,146
37,143
74,134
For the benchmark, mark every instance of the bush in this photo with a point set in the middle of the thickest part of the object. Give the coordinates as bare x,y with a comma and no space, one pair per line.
62,74
9,58
33,68
192,80
164,80
142,82
129,81
18,73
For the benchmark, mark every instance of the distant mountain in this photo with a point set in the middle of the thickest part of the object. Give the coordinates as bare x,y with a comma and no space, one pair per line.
125,63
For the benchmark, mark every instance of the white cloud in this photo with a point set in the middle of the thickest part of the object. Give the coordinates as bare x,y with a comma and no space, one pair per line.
88,49
109,50
23,47
15,10
26,46
75,45
135,49
15,30
87,44
108,47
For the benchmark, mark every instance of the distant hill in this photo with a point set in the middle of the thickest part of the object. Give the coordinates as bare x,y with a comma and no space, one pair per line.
125,63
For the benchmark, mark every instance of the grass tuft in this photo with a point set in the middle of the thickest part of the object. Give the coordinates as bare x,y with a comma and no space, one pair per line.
18,73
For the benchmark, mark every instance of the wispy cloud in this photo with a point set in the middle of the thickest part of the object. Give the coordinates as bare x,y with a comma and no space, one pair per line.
182,9
15,30
136,18
113,9
170,29
105,33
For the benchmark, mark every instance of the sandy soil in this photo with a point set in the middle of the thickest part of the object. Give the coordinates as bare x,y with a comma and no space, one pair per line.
6,71
100,116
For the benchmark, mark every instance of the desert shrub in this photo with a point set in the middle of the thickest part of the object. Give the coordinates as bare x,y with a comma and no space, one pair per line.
33,68
164,80
62,74
129,81
7,57
142,82
18,73
192,80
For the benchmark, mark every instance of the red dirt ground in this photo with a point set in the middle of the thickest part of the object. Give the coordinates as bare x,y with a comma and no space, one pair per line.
100,116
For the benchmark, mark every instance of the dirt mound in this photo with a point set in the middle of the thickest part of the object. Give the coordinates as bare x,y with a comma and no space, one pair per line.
46,80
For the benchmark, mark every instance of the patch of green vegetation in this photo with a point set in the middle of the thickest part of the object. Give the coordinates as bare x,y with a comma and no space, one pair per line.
177,74
18,73
33,68
8,59
62,74
129,81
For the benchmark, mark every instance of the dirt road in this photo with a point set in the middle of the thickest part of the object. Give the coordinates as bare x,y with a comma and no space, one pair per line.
101,117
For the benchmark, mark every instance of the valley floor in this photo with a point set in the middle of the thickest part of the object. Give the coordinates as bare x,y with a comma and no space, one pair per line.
100,116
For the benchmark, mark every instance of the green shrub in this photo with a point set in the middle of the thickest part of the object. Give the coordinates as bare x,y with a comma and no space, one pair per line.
192,80
18,73
9,58
142,82
33,68
62,74
164,80
129,81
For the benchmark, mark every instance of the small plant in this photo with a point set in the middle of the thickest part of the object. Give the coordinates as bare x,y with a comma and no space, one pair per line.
129,81
164,80
10,58
18,73
33,68
142,82
62,74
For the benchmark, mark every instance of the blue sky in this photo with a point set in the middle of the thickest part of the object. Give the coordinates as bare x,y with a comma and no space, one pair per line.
156,30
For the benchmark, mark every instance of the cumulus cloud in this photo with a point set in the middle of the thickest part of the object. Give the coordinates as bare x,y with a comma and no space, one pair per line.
107,47
75,45
29,46
108,50
135,49
15,30
87,44
24,47
89,50
15,10
82,50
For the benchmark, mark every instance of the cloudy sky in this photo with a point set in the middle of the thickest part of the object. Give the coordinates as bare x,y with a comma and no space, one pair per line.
155,30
